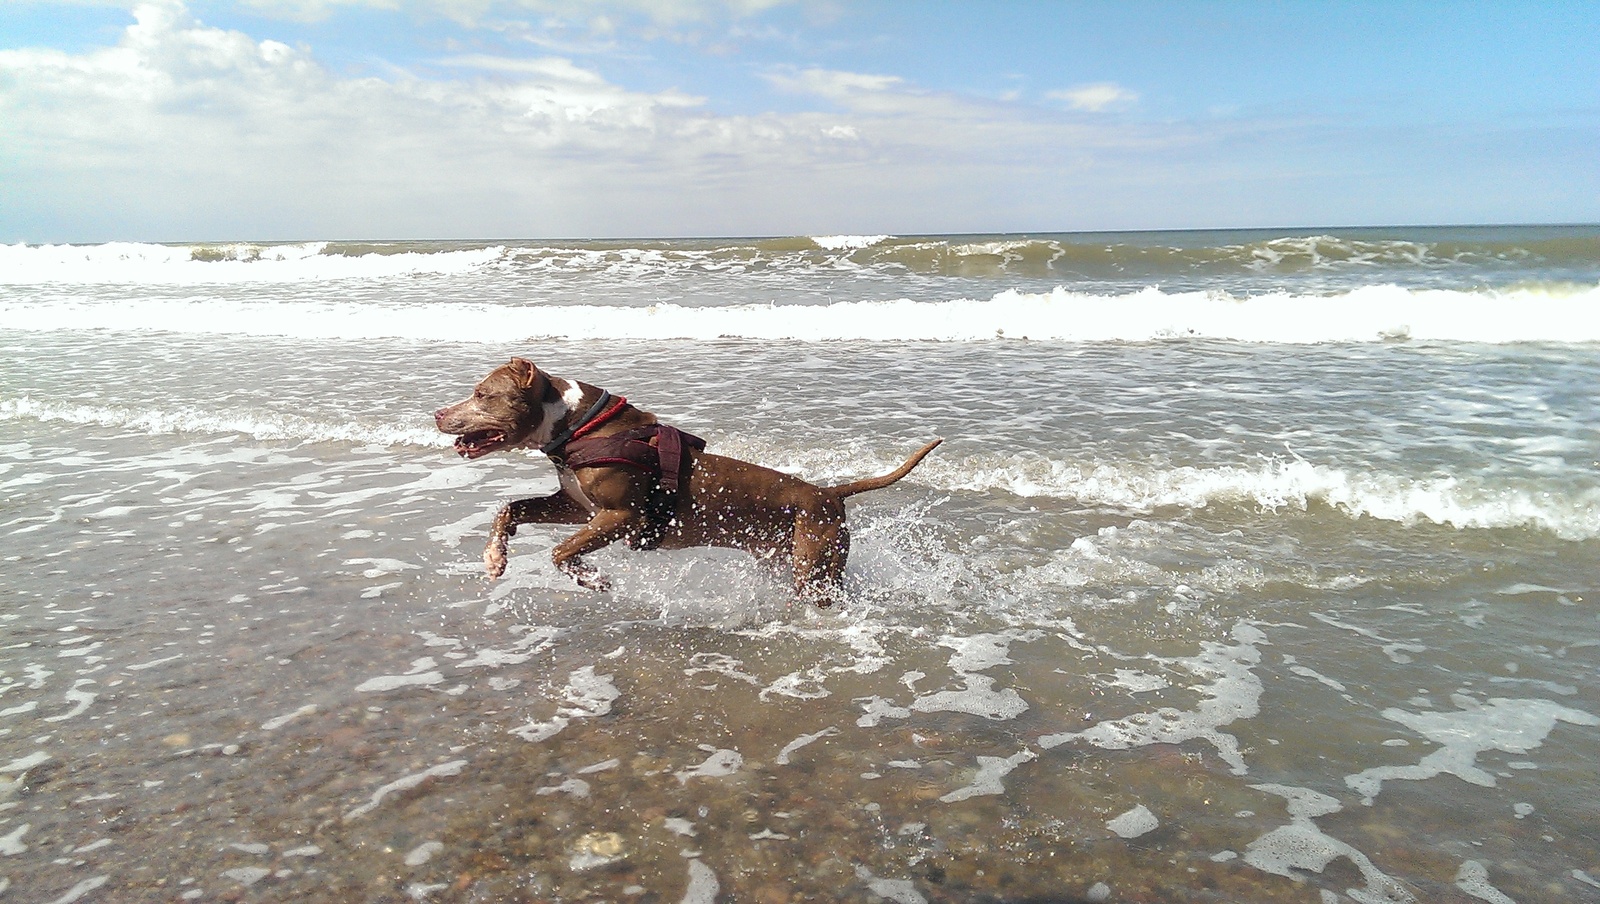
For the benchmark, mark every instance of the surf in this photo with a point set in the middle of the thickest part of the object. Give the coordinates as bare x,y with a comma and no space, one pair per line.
1533,314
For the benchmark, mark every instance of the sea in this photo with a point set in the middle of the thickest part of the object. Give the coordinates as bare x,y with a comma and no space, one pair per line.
1255,566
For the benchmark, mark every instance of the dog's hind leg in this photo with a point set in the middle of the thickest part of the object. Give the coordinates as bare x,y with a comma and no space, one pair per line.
820,551
606,527
555,509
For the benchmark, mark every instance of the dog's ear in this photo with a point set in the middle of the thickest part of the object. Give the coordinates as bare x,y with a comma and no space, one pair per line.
524,371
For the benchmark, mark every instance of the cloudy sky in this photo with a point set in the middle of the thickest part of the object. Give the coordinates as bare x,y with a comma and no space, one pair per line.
189,120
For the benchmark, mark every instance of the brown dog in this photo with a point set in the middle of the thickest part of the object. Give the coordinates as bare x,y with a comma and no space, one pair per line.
624,476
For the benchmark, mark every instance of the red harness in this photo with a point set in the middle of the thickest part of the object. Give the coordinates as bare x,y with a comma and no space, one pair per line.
656,449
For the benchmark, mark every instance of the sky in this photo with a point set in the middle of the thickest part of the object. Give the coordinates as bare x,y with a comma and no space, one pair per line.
290,120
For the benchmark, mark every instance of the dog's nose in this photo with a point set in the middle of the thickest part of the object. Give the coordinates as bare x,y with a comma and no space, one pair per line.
438,416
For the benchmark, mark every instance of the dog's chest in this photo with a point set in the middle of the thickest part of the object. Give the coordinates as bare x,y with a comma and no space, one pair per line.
573,489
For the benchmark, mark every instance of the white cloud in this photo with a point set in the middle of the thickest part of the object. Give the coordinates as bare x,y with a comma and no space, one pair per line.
181,126
833,84
1095,98
185,131
667,12
562,85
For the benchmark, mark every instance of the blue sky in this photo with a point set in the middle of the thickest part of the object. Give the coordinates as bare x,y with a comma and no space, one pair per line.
303,119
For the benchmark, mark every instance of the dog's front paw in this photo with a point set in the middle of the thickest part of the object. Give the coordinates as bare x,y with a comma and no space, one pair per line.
586,575
494,556
596,582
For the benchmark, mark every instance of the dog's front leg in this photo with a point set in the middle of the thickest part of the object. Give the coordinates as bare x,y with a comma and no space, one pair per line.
557,508
606,527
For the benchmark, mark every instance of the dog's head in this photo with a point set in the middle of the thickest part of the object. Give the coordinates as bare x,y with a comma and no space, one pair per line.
507,408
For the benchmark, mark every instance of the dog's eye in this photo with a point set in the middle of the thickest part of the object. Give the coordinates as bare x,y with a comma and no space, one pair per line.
477,393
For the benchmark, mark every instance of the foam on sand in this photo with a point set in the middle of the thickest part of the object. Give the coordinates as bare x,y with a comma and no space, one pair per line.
1512,726
1302,845
719,764
586,696
1135,822
703,885
405,783
991,769
1473,878
1233,694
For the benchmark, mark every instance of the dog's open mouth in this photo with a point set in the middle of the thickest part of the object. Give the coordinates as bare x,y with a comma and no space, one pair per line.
479,442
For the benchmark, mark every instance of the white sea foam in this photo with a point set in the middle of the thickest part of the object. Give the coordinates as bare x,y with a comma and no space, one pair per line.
1464,502
80,700
23,764
395,682
82,888
1302,845
586,696
11,843
703,885
257,424
1135,822
848,242
1233,694
1473,878
720,763
1367,314
979,698
405,783
423,852
784,755
135,263
900,891
1274,484
991,769
1513,726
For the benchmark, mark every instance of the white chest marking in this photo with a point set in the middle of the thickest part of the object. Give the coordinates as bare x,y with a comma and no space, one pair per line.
571,396
570,485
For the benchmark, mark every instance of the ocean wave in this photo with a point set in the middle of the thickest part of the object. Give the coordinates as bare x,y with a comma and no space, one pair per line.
1272,485
136,263
1431,254
1292,484
204,422
848,242
1371,314
1283,484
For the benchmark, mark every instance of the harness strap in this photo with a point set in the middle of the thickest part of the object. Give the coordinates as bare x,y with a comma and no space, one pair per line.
669,451
590,420
654,448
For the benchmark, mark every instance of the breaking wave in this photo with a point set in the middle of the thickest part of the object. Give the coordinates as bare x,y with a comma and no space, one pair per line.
257,424
1370,314
1271,485
1421,257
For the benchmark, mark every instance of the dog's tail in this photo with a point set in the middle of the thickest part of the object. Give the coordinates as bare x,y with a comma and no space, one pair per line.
878,483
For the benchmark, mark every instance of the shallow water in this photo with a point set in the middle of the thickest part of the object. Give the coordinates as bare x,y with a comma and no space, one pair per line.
1197,619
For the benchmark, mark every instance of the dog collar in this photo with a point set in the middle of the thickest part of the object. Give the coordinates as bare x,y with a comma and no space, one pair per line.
597,414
